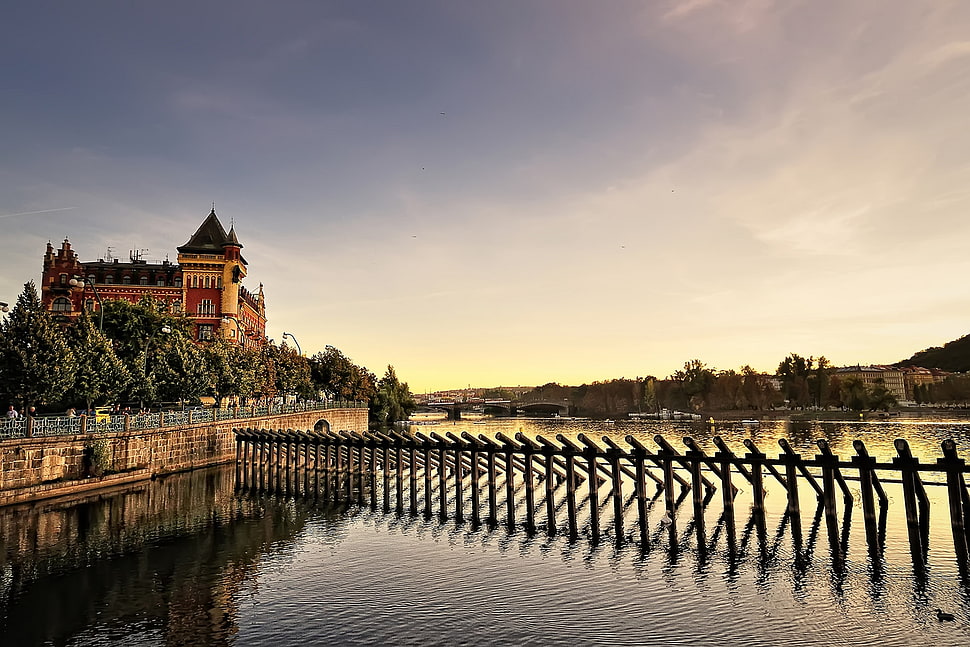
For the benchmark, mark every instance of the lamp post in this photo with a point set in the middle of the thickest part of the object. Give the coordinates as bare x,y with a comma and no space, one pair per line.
290,335
82,281
4,307
242,341
144,365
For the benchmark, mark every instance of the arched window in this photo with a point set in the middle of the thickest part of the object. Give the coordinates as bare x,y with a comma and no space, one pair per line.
219,282
143,280
176,306
63,279
178,281
91,279
61,304
207,282
109,279
160,281
126,280
89,305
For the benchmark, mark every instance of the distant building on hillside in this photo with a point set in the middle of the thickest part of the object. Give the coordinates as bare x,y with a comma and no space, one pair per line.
892,378
914,376
205,284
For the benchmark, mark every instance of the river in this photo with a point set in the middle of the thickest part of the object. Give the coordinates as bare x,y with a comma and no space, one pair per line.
188,560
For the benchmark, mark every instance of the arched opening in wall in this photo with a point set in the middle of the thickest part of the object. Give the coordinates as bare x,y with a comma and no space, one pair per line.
322,425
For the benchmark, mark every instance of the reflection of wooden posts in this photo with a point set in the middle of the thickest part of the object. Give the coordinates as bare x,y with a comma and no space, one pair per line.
239,458
866,463
957,492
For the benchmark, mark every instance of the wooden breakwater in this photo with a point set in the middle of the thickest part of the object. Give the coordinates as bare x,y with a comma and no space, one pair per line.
546,475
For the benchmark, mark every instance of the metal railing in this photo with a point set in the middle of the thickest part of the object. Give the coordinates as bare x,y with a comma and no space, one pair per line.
26,427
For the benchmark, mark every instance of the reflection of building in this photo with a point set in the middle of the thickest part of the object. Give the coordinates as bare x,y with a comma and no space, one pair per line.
892,378
206,284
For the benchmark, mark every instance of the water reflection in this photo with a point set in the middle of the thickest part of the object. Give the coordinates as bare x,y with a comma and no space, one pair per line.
187,560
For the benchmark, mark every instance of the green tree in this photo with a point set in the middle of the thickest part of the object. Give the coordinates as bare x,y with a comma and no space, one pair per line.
697,381
881,398
100,376
393,400
337,376
37,366
855,396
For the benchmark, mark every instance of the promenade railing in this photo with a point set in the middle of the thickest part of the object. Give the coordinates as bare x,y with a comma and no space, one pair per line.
26,427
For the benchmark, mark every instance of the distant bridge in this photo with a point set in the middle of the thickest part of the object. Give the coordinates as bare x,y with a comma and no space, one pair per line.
455,407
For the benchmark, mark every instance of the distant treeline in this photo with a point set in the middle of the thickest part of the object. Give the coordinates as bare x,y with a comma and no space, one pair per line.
953,356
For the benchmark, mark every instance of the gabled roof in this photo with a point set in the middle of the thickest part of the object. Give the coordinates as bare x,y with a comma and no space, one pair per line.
210,237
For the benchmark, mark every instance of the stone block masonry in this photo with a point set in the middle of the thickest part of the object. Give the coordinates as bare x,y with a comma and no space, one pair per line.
50,466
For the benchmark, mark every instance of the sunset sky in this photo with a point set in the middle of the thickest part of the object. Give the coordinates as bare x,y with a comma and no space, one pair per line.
515,192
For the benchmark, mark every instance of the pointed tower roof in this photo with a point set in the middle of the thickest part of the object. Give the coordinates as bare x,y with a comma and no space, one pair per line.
209,238
231,237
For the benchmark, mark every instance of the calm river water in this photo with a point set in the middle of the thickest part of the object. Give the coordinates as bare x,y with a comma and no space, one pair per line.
187,560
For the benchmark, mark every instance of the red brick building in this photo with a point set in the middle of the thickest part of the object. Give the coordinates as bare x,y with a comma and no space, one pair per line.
205,283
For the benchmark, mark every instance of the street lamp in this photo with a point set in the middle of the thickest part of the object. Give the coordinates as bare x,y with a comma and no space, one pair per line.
81,281
242,341
4,307
290,335
144,365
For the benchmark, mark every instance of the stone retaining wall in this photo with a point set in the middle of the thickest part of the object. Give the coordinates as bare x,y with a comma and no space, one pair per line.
41,467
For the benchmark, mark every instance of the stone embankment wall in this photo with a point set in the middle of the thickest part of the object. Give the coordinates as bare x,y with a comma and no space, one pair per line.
42,467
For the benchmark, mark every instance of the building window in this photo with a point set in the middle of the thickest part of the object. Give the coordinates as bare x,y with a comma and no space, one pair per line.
207,282
206,307
160,281
63,279
61,304
176,306
91,279
142,280
219,282
89,305
126,280
178,281
205,332
109,279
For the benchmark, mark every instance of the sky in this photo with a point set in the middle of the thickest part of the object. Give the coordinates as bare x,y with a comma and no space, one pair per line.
515,192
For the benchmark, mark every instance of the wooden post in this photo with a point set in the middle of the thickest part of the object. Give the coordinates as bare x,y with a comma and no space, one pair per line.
413,476
387,475
728,493
459,496
803,469
613,454
475,477
509,488
492,485
756,460
570,456
372,443
865,464
695,459
548,452
956,489
239,459
907,465
792,461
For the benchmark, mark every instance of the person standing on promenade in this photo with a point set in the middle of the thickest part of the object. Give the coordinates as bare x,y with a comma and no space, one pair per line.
12,413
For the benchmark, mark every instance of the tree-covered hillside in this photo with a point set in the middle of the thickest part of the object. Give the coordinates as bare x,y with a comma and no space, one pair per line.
953,356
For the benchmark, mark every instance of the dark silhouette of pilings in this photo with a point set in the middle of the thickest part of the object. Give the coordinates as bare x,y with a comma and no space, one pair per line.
565,473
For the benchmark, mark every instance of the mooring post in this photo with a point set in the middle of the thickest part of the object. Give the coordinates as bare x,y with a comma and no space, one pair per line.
613,454
548,451
592,452
476,473
956,489
490,449
529,448
756,460
667,465
459,496
569,454
728,490
908,466
239,459
696,458
509,481
865,464
639,458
